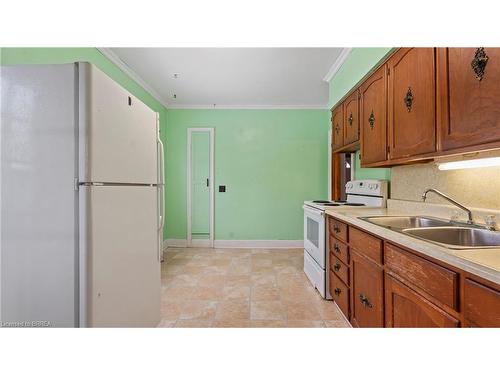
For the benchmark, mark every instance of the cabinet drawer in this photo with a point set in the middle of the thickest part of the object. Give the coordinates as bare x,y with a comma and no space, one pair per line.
340,293
482,305
339,268
339,249
338,229
438,281
366,244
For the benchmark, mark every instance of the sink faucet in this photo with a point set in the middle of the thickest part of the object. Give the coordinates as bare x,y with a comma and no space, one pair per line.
469,213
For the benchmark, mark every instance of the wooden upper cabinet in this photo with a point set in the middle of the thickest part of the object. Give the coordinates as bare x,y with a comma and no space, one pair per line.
351,118
469,96
412,102
337,127
405,308
373,117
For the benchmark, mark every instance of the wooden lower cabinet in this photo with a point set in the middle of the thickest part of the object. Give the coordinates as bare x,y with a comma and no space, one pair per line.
388,285
367,284
405,308
482,305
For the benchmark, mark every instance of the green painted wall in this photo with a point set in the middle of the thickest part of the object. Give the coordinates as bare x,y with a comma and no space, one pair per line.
359,62
270,161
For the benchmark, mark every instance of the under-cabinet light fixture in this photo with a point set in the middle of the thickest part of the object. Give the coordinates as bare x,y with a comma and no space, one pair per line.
473,163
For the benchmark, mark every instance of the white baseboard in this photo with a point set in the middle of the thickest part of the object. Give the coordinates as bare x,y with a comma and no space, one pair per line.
238,244
259,244
171,242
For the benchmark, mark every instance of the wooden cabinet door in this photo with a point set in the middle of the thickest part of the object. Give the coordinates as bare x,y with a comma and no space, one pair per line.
482,305
337,127
404,308
367,286
412,102
351,118
469,101
373,117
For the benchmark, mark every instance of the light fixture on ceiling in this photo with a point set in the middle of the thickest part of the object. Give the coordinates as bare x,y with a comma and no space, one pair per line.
475,163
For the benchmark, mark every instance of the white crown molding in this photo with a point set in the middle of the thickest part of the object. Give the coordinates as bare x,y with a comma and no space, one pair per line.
238,244
337,64
133,75
244,106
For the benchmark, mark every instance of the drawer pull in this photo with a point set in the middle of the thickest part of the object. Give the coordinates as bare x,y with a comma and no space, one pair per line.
336,228
364,301
336,248
337,291
336,267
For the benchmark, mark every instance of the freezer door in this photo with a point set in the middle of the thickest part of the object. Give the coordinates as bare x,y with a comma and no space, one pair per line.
117,132
38,197
123,269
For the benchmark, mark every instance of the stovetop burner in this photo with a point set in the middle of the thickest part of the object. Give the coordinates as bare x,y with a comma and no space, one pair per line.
321,201
354,204
330,204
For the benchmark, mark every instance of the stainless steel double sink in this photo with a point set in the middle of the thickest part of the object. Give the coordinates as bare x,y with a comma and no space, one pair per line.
440,231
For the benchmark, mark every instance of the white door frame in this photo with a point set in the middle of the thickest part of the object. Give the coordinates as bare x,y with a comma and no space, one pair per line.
329,173
210,241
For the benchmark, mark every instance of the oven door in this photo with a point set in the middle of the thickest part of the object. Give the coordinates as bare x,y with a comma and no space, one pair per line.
314,234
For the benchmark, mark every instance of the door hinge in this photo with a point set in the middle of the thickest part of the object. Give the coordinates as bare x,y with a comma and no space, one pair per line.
388,71
76,184
388,149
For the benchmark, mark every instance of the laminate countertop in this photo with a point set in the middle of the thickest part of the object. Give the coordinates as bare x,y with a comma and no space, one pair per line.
484,263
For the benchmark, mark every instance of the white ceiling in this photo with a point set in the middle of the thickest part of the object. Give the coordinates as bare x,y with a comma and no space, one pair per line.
232,77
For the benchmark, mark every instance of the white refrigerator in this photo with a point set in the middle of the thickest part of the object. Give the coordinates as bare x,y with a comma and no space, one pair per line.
82,200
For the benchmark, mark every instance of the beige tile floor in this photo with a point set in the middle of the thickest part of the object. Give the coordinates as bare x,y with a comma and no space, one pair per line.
241,288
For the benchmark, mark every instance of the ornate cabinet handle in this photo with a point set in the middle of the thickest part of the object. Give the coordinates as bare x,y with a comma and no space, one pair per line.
337,128
479,62
408,99
371,120
336,228
350,119
337,291
364,301
336,267
336,248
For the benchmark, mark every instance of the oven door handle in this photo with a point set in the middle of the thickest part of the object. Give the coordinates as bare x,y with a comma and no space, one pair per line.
313,211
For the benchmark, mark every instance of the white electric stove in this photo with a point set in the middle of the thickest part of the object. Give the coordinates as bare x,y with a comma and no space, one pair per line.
360,193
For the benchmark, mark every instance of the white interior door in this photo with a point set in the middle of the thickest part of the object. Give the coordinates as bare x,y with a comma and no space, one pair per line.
123,262
200,187
118,132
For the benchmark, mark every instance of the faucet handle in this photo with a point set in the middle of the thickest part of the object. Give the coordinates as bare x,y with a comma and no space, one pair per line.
455,216
490,222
